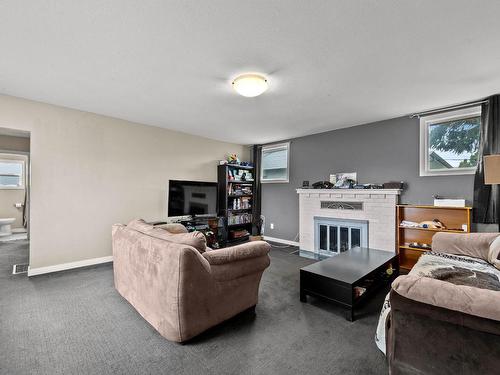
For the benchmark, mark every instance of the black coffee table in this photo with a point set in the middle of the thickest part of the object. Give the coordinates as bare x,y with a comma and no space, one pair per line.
342,278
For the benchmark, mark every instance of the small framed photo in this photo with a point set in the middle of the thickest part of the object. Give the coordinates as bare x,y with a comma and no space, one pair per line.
346,179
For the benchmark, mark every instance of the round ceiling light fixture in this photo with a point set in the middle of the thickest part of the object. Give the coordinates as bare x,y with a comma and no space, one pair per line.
250,84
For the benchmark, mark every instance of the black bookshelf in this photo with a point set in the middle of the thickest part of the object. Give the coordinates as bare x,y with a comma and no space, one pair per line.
235,186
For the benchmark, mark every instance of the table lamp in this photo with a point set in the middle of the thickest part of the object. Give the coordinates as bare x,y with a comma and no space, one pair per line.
492,169
492,172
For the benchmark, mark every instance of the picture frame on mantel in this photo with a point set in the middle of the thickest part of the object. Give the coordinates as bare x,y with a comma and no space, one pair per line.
345,179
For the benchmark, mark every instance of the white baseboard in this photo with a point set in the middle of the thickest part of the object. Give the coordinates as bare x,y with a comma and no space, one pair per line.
279,240
68,266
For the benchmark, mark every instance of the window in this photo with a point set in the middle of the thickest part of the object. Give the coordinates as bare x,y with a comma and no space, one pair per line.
449,142
11,174
275,163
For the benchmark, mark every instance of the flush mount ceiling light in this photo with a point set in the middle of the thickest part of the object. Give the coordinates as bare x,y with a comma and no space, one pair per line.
250,84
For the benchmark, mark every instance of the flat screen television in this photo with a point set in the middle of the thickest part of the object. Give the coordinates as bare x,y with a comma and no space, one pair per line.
193,198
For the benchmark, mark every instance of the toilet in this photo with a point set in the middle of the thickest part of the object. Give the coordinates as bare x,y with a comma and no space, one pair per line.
5,229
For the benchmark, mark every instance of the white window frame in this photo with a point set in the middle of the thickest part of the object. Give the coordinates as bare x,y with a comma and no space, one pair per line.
425,122
272,147
23,174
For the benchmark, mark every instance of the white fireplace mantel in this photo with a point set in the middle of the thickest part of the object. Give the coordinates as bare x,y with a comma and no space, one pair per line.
379,210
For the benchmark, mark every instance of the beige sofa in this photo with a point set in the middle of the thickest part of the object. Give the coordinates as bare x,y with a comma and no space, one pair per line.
177,284
445,314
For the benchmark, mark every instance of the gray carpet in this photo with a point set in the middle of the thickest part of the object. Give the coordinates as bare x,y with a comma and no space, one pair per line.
74,322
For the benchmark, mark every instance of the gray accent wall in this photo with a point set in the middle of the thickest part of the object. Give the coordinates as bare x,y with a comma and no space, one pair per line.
379,152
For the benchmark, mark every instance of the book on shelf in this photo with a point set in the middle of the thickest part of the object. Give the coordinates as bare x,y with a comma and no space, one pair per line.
239,190
241,203
236,219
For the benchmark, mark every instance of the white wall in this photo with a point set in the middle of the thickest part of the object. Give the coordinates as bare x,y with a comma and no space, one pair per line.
90,171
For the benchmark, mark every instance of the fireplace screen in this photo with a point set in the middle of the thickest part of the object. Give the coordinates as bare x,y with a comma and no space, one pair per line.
335,236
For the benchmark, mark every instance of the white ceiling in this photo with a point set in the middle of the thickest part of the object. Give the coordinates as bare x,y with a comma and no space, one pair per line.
331,64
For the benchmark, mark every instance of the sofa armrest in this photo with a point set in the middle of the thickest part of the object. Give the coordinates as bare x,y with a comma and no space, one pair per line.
426,312
241,252
475,245
483,303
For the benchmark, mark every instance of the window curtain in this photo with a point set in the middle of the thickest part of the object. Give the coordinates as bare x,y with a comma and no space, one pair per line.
256,201
487,197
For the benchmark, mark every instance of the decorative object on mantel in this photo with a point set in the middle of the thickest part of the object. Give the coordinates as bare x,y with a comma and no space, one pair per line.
394,185
345,180
322,185
362,186
348,181
418,224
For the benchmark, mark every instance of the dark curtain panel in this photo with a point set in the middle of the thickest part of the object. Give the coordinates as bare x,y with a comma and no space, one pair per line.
25,217
487,197
256,201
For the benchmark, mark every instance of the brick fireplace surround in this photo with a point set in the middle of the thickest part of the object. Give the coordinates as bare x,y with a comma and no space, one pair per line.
378,209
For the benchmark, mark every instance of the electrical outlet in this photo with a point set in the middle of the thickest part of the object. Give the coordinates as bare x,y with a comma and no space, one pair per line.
271,225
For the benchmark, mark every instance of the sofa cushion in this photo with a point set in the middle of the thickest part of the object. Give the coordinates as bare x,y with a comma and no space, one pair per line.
194,239
475,245
173,228
494,253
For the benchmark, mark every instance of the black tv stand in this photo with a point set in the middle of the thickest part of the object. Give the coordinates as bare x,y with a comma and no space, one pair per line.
157,222
207,224
197,222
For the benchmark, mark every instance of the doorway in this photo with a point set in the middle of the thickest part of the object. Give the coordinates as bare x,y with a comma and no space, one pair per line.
14,201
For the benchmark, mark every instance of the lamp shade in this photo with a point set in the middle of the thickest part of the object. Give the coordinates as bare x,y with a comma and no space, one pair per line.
492,169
